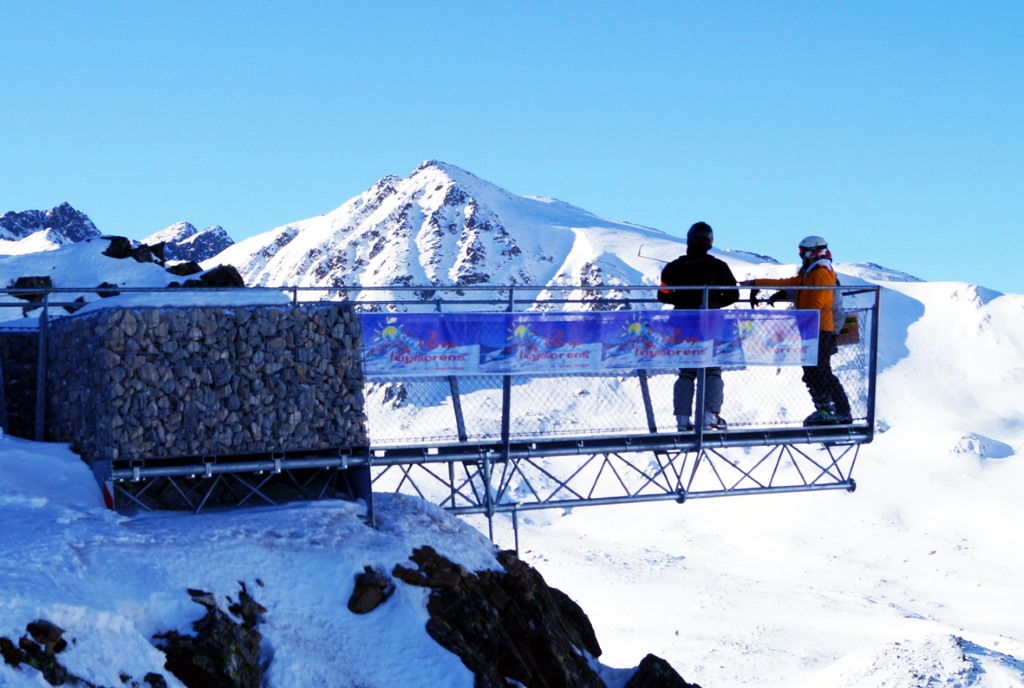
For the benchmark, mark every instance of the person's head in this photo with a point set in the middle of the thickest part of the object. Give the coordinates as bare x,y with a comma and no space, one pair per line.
700,237
813,248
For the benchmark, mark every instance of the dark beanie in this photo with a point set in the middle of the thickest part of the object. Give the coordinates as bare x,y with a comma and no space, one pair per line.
700,235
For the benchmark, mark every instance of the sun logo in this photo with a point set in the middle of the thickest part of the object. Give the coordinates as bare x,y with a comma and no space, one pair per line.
389,332
636,328
744,327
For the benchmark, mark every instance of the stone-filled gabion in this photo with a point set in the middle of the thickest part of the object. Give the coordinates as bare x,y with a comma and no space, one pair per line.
145,383
19,362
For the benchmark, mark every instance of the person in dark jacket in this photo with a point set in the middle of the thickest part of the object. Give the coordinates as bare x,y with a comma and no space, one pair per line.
698,269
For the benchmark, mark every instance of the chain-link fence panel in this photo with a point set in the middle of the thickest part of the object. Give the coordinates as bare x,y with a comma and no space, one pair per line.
424,410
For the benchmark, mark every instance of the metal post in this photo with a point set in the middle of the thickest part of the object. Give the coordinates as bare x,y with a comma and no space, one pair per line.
460,426
698,408
41,372
645,393
515,527
460,420
873,362
3,402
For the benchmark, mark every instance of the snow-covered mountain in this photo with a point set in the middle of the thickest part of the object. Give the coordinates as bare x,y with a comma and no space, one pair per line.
28,231
444,226
183,242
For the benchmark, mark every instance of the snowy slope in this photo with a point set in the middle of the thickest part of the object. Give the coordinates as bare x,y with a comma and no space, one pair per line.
112,583
80,264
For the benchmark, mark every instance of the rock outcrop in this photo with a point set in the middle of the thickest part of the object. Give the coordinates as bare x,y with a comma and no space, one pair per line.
510,626
225,650
39,649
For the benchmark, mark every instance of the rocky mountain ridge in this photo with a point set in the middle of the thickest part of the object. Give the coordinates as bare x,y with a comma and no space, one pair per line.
62,225
184,242
32,231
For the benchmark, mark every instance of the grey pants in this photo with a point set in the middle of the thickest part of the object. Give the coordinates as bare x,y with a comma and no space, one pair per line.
682,391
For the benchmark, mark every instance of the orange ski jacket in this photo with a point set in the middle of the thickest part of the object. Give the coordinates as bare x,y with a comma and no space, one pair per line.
807,299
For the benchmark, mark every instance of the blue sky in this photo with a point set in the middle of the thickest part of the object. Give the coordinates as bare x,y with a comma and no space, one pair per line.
892,129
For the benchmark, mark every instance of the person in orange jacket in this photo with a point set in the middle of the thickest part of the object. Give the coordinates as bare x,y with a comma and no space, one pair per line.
831,405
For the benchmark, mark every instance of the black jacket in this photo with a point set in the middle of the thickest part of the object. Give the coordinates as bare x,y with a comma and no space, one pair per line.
697,270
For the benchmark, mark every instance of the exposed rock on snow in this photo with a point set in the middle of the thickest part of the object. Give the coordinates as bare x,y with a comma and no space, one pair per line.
510,625
224,651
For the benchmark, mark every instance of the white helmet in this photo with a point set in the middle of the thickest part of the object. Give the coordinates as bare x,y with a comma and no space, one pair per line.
811,245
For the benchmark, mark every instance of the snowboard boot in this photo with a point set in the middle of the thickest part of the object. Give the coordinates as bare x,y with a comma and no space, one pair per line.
823,415
713,421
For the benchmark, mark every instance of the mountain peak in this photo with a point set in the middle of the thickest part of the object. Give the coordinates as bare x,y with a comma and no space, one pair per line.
444,226
63,224
182,241
432,168
437,165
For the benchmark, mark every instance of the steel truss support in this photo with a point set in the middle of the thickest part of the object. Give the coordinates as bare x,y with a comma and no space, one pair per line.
491,484
201,484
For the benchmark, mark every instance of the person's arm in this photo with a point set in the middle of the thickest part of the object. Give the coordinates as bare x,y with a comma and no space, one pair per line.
665,295
725,297
783,282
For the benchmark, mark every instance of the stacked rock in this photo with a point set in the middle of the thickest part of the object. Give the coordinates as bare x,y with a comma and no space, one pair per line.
19,363
199,381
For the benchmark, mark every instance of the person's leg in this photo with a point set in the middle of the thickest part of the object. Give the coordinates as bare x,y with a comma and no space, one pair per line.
830,382
682,398
814,379
830,401
714,397
714,390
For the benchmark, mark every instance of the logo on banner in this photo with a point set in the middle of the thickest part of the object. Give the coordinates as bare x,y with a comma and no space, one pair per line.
532,344
417,345
639,340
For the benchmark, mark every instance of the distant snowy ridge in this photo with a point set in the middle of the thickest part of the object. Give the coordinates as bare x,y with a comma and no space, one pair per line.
40,230
183,242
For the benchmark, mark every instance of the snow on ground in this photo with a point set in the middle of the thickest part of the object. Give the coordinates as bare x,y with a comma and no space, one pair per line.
113,582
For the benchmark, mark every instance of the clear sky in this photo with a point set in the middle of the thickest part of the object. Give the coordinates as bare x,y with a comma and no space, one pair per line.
894,129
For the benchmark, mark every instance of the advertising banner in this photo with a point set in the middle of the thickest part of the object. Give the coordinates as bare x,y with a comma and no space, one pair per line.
419,344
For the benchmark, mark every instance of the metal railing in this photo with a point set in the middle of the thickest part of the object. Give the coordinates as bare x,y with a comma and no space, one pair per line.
503,443
444,409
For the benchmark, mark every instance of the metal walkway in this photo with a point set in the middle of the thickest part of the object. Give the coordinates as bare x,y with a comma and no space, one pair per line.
501,444
478,445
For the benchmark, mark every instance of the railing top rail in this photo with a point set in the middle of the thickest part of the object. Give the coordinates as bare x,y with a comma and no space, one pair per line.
415,289
436,297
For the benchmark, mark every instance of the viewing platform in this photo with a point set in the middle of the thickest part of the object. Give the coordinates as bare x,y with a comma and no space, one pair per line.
516,399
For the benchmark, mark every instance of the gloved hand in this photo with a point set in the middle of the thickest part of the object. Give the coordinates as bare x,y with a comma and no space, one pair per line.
753,298
776,297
